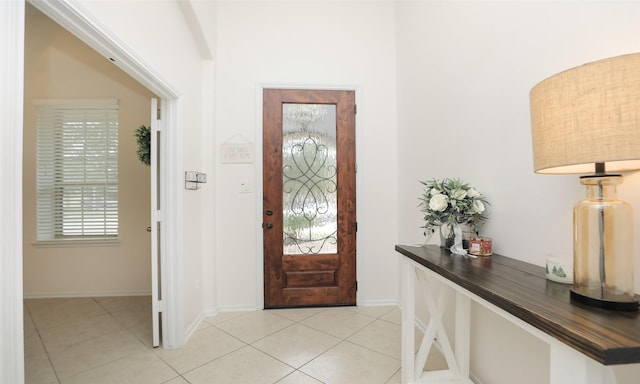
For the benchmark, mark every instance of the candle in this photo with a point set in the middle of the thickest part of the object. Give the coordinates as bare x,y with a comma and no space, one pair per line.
480,246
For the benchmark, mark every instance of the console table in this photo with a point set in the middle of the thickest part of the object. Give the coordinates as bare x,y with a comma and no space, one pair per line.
584,341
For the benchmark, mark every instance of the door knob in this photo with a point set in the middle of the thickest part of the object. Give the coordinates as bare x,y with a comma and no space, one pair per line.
269,212
269,225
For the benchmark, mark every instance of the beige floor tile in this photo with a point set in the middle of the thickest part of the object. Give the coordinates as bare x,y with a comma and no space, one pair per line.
139,368
38,368
47,313
204,346
89,354
120,303
393,316
221,317
79,330
244,366
395,379
296,345
33,345
298,377
29,326
338,322
107,340
348,363
296,314
381,336
138,321
177,380
255,325
374,310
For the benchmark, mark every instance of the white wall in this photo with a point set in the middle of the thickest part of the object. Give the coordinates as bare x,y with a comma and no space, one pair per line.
463,70
464,74
317,44
59,66
160,36
312,44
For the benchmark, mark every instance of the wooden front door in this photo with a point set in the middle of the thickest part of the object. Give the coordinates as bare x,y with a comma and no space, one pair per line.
309,202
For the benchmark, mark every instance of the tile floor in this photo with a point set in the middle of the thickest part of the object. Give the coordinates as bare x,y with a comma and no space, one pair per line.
107,340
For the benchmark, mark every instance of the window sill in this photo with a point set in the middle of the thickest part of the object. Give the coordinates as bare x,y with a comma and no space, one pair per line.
72,243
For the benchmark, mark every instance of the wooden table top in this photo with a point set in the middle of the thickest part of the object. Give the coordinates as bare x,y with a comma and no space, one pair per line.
521,289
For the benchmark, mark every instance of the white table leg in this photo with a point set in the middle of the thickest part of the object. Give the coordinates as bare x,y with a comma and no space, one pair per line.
463,333
408,323
570,366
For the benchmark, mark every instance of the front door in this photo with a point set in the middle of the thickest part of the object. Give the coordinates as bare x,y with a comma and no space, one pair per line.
309,202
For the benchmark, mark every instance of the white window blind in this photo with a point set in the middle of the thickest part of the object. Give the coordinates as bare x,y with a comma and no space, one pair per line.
77,170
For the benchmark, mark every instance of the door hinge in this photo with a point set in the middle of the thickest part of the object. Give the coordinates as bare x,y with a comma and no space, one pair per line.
157,216
356,286
158,114
355,109
159,306
356,226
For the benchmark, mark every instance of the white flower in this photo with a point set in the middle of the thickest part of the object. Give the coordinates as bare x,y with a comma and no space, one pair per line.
472,192
459,194
451,201
478,206
438,202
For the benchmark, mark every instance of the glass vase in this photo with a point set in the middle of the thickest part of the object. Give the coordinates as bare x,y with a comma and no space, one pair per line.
603,246
447,235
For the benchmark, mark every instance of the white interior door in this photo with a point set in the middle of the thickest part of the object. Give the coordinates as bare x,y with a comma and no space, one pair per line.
156,224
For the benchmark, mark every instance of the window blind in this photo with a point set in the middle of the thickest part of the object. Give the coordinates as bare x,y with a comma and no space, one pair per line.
77,171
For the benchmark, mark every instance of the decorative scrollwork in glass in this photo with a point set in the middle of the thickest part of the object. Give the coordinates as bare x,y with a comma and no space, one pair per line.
309,183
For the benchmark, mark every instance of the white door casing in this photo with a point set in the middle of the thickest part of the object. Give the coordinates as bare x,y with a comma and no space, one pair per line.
11,109
156,225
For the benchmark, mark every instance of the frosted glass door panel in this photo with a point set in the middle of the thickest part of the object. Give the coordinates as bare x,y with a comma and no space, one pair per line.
309,182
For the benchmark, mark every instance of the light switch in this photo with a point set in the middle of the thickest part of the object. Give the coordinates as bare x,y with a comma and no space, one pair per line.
245,187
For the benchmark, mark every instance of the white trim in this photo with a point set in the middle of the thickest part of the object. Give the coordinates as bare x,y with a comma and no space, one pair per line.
258,180
171,195
236,308
259,202
72,16
11,115
379,303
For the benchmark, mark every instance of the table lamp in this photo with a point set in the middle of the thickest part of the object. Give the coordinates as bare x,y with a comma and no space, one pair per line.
586,120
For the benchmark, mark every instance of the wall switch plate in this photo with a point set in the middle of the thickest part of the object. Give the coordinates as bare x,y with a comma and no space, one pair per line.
245,187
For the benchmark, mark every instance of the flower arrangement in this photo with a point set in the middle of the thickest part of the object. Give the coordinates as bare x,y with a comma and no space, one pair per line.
451,201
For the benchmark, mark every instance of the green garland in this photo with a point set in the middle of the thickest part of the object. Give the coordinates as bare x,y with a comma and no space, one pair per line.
143,137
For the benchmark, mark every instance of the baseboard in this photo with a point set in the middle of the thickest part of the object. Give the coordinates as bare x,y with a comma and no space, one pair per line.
58,295
234,308
378,303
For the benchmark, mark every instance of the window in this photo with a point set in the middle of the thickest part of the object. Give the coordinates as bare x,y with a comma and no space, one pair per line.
77,170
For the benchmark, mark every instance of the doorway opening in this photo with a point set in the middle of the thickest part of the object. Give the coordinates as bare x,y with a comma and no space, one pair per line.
81,25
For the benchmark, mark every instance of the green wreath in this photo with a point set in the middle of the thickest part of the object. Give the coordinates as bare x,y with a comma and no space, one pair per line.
143,137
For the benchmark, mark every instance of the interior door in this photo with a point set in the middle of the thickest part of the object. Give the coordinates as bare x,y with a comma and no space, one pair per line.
309,197
156,281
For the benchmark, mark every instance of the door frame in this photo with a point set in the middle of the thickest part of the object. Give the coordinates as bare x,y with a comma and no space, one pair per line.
83,25
78,21
11,118
259,171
